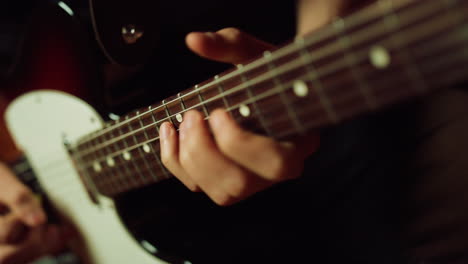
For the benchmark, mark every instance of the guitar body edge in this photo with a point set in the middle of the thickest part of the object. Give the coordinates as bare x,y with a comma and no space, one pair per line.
40,123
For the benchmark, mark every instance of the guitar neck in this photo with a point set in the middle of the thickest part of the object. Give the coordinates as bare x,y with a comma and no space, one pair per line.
386,53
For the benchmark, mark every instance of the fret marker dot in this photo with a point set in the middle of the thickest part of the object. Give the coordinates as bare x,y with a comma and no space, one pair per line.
380,57
244,110
267,54
127,156
300,88
97,167
146,148
110,162
179,118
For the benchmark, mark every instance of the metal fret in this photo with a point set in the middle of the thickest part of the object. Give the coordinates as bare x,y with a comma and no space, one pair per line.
323,50
181,100
111,163
124,161
97,167
112,182
179,115
392,22
257,110
290,110
316,83
221,92
140,151
200,97
163,169
128,156
168,114
370,99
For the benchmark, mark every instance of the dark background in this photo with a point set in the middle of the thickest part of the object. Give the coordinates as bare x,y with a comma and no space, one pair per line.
172,67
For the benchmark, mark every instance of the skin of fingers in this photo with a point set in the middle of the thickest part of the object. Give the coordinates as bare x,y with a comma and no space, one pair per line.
11,229
170,155
228,45
19,199
233,46
219,177
277,161
34,246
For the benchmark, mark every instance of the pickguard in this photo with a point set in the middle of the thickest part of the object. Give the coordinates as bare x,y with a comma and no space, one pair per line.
41,123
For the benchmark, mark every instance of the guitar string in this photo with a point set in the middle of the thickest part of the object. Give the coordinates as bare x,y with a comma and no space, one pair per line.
351,21
74,192
248,66
316,56
460,73
161,175
120,165
354,93
221,96
150,140
284,118
332,67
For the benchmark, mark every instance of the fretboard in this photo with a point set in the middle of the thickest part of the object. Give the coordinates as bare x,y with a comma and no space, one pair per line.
386,53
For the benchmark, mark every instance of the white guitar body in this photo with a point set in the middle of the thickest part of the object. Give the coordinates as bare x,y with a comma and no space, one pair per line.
40,122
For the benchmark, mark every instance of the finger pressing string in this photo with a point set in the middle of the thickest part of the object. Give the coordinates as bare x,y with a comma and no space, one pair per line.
229,45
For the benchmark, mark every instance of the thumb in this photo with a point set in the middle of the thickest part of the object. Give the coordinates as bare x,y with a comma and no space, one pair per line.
228,45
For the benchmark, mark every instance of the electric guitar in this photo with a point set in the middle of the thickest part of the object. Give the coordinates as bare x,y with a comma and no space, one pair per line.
382,55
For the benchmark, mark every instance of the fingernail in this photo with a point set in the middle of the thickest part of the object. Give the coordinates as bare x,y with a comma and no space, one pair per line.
182,130
186,125
216,120
164,131
210,35
188,120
